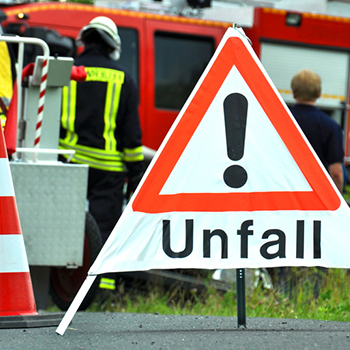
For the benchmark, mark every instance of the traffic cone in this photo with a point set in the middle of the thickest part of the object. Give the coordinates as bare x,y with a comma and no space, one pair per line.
17,303
16,290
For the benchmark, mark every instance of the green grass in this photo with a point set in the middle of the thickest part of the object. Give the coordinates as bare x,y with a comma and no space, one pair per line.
333,303
346,193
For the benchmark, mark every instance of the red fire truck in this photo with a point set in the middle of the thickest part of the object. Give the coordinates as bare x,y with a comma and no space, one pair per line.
166,54
287,42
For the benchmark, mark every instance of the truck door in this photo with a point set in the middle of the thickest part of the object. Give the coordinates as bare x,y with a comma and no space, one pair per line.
180,55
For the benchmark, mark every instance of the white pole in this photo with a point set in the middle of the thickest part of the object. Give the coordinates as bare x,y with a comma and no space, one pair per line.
73,308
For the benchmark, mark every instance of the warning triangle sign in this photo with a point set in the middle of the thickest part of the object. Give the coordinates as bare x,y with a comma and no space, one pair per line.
235,184
233,170
238,108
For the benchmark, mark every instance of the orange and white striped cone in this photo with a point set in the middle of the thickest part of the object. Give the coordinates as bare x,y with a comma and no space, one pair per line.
16,290
17,303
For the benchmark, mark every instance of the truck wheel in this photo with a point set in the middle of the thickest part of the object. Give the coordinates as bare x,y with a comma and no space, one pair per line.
65,283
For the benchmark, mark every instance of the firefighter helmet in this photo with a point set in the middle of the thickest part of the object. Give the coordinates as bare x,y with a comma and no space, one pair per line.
106,29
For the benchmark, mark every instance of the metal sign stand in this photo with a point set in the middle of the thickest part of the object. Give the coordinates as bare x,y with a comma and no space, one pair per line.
241,310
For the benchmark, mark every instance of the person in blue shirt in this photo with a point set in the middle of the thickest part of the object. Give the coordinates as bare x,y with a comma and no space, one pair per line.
326,137
324,134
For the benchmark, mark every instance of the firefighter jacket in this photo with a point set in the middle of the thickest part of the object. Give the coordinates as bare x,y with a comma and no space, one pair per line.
6,81
100,120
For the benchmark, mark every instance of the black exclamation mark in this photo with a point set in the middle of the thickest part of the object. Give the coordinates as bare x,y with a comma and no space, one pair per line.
235,111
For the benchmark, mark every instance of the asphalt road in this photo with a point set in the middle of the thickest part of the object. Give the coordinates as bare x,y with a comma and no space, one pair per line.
154,332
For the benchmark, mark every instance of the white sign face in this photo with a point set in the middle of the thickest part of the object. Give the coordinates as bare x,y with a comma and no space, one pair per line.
260,162
235,184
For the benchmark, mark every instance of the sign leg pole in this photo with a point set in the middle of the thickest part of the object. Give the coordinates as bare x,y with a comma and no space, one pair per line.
241,314
74,306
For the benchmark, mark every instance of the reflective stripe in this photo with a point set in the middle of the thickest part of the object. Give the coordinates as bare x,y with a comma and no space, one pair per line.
108,158
111,109
114,80
133,154
96,163
3,121
95,157
13,257
8,210
96,153
107,283
6,186
5,103
69,95
105,75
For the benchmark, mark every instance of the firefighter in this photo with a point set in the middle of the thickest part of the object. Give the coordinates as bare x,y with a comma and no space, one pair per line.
100,122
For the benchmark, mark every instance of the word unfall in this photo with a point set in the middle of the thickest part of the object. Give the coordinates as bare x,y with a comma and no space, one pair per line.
279,244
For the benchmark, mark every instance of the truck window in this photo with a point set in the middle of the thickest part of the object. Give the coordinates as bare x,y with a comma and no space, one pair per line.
179,62
130,54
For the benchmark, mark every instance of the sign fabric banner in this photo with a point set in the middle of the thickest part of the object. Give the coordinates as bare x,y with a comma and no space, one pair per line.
235,184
